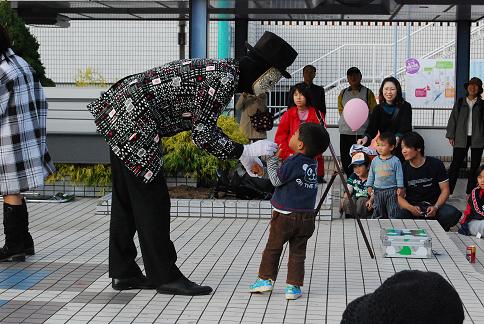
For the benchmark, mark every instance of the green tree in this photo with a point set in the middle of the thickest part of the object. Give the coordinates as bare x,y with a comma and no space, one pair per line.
24,43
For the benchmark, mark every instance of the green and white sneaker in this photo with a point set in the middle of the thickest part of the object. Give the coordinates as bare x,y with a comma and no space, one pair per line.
293,292
261,285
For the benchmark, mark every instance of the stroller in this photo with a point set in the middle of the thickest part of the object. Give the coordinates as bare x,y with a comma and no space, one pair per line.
238,183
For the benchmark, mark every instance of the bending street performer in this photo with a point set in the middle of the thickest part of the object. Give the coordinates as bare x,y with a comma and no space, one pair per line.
140,109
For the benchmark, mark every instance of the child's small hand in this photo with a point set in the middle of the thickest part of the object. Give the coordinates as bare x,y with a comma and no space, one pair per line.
370,191
257,169
369,204
401,192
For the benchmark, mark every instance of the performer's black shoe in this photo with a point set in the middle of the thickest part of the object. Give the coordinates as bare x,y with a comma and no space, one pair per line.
183,286
131,283
11,255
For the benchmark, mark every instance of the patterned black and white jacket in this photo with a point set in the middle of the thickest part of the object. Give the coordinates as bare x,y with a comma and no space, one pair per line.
182,95
24,158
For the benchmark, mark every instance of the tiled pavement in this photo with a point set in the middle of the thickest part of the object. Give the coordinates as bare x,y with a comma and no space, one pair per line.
66,281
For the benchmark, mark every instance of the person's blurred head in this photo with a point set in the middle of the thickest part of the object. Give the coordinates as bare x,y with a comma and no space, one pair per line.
480,177
473,87
5,42
409,296
309,72
360,162
301,96
391,91
386,143
353,75
310,139
413,146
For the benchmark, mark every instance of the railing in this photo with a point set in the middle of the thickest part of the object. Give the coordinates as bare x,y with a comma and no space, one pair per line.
429,118
378,70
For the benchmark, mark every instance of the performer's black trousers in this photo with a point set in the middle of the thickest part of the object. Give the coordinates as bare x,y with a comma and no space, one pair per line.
143,208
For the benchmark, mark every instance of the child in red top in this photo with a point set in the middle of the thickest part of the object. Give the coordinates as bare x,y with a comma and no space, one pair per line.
290,121
473,220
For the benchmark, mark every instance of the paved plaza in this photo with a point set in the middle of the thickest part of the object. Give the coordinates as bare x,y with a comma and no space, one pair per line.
67,280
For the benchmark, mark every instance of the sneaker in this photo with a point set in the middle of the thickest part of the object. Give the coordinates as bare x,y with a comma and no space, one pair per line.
293,292
261,285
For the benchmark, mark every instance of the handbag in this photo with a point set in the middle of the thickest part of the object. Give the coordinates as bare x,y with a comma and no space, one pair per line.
262,121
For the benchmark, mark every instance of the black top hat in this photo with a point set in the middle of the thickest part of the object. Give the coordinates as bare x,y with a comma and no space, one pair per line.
275,51
409,296
476,81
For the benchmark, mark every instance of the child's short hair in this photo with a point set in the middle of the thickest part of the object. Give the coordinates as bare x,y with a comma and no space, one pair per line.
389,138
414,140
315,138
479,170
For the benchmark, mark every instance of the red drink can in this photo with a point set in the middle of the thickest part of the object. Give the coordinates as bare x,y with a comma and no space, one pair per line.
471,253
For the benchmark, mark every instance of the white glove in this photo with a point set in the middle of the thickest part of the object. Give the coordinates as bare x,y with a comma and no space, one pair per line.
259,148
248,162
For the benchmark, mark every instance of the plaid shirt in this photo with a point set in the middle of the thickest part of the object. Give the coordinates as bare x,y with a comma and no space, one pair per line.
24,158
182,95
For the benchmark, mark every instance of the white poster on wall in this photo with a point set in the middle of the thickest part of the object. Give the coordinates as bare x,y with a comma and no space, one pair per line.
430,83
477,68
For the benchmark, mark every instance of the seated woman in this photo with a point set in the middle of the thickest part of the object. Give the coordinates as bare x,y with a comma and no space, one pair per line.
302,112
393,114
473,220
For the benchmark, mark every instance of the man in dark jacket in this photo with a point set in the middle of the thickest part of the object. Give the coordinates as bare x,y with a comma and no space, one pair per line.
132,116
318,99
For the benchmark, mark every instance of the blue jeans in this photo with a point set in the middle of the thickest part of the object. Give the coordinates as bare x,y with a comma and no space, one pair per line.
447,216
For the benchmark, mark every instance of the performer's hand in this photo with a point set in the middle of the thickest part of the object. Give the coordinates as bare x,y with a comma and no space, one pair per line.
248,163
259,148
451,141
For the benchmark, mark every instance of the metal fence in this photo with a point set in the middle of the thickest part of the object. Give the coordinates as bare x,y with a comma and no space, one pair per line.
114,49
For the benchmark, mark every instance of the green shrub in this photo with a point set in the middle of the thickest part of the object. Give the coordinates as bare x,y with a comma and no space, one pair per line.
89,77
181,155
85,174
24,43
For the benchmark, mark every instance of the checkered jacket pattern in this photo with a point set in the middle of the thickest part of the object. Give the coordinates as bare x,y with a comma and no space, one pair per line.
24,158
182,95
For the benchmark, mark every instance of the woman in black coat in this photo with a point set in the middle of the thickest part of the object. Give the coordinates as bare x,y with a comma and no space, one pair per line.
393,114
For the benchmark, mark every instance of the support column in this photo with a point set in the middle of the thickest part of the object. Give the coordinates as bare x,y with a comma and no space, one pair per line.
198,28
241,28
463,48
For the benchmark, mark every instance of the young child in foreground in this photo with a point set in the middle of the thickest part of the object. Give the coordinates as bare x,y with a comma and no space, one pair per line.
360,163
293,215
473,220
385,180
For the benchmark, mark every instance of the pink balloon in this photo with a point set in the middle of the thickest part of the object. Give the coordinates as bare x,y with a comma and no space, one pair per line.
355,113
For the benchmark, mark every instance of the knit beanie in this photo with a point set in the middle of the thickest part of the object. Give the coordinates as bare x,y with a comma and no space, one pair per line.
409,296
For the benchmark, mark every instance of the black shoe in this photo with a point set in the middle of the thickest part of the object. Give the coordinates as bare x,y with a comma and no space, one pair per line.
131,283
183,286
15,255
29,245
